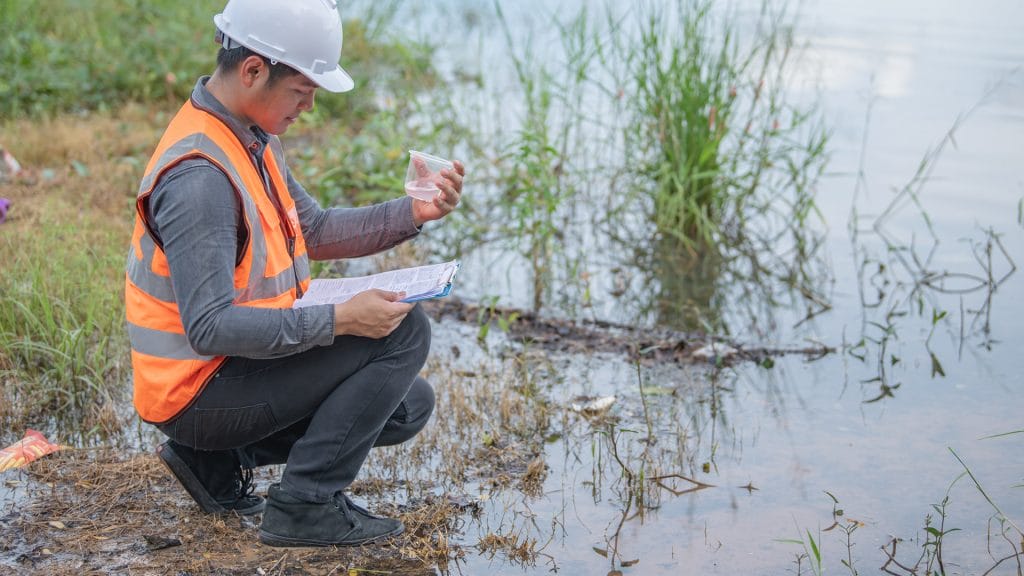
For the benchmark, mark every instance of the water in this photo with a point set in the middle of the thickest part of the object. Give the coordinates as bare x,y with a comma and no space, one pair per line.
423,189
931,363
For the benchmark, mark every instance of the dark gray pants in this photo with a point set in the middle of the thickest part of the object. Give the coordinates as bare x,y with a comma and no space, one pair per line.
319,411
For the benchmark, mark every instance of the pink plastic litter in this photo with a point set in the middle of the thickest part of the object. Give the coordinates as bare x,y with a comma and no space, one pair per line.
10,162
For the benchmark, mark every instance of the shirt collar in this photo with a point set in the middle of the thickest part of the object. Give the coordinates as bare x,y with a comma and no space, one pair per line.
252,137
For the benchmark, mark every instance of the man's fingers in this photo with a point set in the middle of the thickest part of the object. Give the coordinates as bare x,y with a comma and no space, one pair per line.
387,295
421,167
443,203
449,196
454,176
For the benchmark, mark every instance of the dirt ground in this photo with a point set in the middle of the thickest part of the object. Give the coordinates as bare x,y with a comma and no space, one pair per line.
101,511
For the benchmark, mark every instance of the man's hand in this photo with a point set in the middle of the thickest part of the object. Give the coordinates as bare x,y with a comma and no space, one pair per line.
445,201
371,314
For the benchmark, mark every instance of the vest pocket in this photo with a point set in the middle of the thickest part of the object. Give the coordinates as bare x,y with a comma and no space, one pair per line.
224,428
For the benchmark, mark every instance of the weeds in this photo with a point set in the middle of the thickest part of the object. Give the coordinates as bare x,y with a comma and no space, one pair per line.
63,350
62,340
1001,515
930,558
67,55
538,185
490,313
712,130
724,168
673,137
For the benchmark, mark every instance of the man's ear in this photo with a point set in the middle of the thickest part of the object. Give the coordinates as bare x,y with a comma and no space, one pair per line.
253,71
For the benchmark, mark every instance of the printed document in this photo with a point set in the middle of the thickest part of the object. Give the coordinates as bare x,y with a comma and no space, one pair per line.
419,283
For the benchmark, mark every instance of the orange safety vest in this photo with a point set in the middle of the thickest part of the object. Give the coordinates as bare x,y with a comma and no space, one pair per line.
168,373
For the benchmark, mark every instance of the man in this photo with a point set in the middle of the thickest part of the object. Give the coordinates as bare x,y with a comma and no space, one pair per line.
223,364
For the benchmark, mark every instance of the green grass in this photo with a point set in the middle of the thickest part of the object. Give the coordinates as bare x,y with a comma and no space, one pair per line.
63,349
711,129
539,181
75,55
64,55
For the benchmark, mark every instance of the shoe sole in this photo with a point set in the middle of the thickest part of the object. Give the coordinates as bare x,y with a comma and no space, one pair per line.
286,542
180,470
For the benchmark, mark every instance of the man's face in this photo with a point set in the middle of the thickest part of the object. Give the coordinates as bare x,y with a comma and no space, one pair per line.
276,107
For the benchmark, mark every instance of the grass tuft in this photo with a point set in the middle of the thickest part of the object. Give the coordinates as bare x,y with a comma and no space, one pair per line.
712,130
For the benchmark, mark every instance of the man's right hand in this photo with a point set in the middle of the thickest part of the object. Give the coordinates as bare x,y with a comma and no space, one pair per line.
371,314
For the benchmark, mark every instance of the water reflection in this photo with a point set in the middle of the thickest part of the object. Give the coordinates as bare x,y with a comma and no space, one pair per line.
727,292
903,275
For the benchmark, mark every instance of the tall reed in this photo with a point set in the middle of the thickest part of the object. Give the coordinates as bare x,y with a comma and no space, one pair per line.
539,186
710,128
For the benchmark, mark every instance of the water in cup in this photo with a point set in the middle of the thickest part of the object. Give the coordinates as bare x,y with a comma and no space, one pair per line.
423,174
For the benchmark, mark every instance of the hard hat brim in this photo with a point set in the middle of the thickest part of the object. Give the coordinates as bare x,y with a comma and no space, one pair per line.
336,80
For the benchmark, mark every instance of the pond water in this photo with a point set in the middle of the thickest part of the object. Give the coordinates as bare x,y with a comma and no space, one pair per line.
928,348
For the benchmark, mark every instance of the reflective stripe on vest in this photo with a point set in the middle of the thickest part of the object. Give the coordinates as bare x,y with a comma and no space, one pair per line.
168,373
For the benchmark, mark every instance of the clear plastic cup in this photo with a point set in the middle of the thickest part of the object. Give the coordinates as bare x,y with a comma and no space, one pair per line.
423,174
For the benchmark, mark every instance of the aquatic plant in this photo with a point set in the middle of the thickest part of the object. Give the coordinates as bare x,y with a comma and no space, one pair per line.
538,184
711,128
669,135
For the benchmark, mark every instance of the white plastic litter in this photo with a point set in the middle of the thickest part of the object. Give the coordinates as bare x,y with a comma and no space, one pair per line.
594,407
715,350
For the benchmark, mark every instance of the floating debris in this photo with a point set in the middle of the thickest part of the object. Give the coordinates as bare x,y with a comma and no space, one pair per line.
594,407
714,352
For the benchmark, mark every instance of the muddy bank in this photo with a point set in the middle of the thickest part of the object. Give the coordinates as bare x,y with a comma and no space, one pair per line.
638,343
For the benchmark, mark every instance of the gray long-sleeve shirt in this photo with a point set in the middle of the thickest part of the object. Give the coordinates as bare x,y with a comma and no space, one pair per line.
196,215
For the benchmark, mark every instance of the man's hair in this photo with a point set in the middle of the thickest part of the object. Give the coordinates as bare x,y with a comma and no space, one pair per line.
230,60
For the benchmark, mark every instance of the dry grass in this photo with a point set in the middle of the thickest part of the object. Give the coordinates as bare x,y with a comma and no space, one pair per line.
97,511
486,427
85,167
103,512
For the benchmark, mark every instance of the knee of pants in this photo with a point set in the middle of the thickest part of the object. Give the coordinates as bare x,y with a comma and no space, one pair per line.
413,334
411,416
419,403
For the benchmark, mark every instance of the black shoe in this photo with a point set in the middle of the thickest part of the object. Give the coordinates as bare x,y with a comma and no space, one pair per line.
289,521
216,483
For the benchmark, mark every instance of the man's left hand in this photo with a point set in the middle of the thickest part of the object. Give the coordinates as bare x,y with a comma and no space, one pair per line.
445,201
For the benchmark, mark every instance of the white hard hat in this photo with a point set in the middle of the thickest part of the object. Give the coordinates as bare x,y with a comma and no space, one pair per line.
304,34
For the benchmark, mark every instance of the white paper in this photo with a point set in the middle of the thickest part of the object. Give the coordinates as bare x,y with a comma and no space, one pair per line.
419,283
